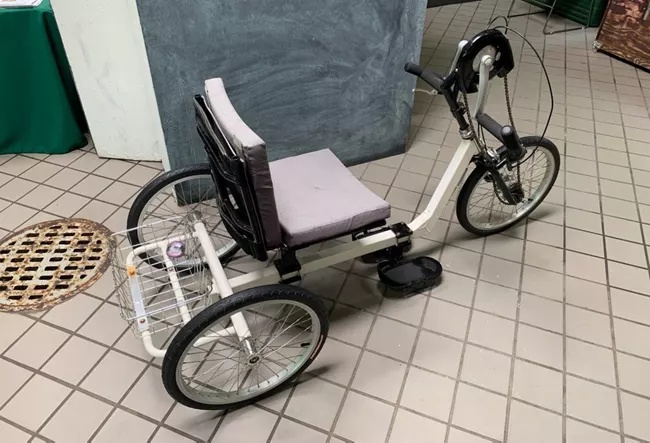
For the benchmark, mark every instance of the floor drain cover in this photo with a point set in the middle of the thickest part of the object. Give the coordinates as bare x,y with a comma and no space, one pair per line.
44,264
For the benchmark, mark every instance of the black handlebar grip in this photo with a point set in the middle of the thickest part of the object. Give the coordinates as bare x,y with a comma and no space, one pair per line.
412,68
511,142
428,76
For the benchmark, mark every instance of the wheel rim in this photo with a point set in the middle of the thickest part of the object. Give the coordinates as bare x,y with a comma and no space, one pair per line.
194,194
486,211
284,334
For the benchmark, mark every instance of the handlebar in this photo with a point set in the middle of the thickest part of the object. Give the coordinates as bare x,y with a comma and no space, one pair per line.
505,134
433,79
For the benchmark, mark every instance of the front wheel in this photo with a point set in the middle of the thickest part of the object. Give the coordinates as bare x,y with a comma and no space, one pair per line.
207,366
482,209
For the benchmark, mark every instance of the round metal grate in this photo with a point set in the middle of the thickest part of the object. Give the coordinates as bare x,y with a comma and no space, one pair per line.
44,264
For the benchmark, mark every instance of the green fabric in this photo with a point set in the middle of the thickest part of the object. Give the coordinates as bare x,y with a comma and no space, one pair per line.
576,10
40,111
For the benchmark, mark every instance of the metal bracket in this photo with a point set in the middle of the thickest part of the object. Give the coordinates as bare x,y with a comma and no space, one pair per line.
287,264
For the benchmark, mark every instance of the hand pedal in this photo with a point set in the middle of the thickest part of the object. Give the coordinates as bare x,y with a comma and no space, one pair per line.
410,275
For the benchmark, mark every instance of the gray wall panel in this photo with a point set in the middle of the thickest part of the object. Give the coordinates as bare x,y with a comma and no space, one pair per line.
305,75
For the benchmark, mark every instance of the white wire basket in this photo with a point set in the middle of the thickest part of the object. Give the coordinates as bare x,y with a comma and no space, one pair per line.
163,281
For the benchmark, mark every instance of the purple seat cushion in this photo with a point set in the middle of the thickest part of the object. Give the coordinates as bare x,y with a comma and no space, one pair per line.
318,198
253,150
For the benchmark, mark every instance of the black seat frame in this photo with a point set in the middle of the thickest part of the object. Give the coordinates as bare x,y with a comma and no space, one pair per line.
236,199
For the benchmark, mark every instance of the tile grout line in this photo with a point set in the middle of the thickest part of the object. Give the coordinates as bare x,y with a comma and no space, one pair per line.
564,289
522,267
609,300
463,349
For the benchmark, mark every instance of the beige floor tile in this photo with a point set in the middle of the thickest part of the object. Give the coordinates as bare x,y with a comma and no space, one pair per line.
480,411
630,306
408,310
591,402
438,353
629,277
72,313
391,338
37,345
588,326
546,233
460,261
413,428
102,326
113,376
301,403
246,425
67,205
379,376
541,312
65,179
635,415
148,396
66,426
35,402
363,419
540,346
166,436
590,361
577,432
632,374
487,369
73,361
336,362
199,424
292,432
538,385
455,288
14,377
428,393
446,318
542,282
13,434
533,425
16,188
502,272
632,338
350,325
12,326
493,332
585,267
122,424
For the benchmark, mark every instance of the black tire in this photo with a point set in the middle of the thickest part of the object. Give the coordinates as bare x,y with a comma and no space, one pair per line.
150,190
225,307
479,172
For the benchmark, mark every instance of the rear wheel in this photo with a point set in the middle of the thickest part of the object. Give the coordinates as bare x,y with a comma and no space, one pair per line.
482,209
159,209
207,367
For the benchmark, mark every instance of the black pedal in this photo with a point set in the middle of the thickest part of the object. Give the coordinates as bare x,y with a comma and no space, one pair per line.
410,275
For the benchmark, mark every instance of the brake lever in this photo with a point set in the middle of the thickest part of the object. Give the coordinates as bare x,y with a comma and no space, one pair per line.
432,93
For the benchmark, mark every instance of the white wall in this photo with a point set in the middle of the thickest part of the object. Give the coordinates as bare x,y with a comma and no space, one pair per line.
104,43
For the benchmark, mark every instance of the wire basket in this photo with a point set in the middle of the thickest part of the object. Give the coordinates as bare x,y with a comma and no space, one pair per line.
162,281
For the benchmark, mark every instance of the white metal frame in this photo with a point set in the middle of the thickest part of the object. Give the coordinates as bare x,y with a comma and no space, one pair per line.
223,287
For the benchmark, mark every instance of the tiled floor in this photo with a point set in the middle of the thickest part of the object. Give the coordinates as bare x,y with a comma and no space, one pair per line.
541,335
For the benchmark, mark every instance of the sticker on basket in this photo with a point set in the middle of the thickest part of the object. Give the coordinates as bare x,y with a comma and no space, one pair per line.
176,249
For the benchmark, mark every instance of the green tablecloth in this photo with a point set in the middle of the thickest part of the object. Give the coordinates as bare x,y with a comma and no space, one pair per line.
40,111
